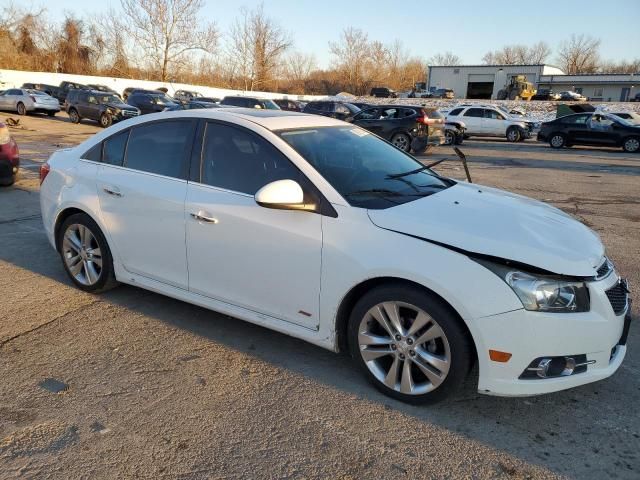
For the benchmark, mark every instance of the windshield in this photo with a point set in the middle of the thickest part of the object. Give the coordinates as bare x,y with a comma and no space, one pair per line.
108,99
162,99
367,171
352,108
270,105
613,117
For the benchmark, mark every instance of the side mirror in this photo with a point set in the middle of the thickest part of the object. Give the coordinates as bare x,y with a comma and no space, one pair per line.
283,195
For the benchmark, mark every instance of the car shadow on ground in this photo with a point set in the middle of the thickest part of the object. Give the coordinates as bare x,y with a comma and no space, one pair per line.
539,430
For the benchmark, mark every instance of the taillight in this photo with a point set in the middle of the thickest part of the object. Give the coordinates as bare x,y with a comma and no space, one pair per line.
44,171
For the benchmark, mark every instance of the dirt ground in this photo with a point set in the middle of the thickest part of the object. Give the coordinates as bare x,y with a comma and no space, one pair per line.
131,384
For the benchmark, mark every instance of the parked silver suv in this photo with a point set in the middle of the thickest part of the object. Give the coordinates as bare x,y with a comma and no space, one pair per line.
492,121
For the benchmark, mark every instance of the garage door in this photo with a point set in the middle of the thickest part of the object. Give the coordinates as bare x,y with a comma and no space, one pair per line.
481,78
482,90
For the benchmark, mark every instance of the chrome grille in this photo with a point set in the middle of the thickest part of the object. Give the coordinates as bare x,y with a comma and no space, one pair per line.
129,113
618,297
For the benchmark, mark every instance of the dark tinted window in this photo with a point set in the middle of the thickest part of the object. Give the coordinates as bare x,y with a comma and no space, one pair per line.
114,148
237,160
160,147
94,154
455,111
580,119
14,91
474,112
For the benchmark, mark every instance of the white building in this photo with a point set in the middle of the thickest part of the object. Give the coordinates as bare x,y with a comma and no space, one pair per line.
610,87
484,81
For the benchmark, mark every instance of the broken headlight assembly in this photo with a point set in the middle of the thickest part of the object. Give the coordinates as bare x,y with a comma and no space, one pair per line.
540,293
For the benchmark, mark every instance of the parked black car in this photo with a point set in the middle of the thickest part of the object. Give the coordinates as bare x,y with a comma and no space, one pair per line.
443,93
595,129
288,105
192,105
635,98
150,101
250,102
407,127
102,88
328,108
546,95
383,92
209,99
103,107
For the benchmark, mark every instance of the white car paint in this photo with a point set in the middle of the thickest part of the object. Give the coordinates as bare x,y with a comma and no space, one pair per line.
488,127
290,270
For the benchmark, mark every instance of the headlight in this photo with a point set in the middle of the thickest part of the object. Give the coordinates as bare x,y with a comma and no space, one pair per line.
541,293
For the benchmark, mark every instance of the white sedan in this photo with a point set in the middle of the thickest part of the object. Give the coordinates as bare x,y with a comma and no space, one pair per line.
321,230
25,100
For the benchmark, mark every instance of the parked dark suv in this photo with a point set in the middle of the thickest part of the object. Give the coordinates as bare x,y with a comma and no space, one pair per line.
103,107
327,108
407,127
150,101
250,102
383,92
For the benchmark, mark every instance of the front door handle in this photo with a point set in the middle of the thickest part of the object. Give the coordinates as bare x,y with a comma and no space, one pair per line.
204,217
112,191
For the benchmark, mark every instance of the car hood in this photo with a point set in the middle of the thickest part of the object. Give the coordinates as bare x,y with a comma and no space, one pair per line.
121,106
496,223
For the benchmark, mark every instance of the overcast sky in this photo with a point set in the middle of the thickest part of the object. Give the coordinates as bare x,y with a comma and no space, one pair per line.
468,28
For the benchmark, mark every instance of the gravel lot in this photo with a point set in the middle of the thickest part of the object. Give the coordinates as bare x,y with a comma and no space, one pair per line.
132,384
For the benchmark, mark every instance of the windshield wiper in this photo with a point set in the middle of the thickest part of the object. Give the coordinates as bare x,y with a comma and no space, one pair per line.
375,191
410,172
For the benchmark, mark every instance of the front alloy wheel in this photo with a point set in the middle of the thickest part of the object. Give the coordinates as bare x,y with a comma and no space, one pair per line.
404,348
409,343
631,145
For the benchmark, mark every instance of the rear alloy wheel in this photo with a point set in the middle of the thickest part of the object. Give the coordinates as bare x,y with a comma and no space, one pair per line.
401,141
22,110
73,116
106,120
409,344
631,145
85,254
557,140
514,135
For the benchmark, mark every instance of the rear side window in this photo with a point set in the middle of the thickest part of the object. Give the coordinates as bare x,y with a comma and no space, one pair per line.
160,147
474,112
240,161
114,148
94,154
455,112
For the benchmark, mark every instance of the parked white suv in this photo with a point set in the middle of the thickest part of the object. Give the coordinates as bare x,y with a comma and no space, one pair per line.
492,121
321,230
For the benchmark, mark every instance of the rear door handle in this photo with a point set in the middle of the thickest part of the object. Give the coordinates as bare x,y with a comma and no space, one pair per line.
204,217
115,191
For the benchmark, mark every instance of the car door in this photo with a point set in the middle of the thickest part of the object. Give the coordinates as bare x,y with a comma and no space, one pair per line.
369,119
493,123
90,107
142,188
576,129
261,259
600,131
11,98
473,119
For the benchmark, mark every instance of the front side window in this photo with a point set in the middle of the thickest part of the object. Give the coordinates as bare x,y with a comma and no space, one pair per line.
579,119
492,114
160,147
367,171
238,160
474,112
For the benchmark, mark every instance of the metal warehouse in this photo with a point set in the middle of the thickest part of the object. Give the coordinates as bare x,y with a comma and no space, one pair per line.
599,87
484,81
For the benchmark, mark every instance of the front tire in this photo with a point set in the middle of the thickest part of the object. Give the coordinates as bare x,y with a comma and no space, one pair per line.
85,254
631,145
402,141
449,137
22,110
409,344
514,135
557,140
74,116
106,120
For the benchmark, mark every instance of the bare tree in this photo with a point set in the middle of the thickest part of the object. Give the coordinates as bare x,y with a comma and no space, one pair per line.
74,55
298,66
256,47
538,53
623,66
579,54
445,59
518,54
352,56
165,31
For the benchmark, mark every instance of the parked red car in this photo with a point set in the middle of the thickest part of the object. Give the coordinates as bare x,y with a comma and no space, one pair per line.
9,157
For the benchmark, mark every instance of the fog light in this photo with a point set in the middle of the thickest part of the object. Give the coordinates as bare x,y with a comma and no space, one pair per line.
550,367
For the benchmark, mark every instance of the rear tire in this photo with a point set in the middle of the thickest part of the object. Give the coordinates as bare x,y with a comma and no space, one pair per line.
21,109
402,141
631,144
52,114
557,140
74,116
436,367
85,254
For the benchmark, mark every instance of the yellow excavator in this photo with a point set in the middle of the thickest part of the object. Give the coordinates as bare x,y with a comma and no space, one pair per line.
517,89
